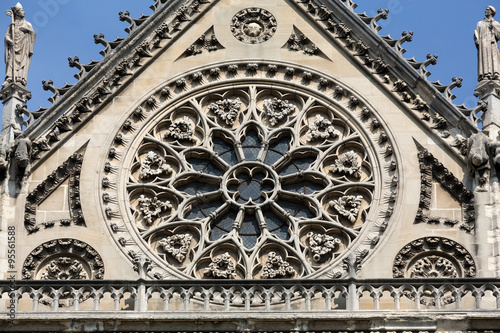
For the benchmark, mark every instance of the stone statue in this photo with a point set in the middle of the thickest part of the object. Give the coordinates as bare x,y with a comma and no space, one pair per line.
19,43
486,37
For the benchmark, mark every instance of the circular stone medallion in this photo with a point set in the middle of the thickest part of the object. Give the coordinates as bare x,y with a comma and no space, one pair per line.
253,25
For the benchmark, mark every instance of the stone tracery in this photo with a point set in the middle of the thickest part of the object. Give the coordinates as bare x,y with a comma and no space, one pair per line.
253,179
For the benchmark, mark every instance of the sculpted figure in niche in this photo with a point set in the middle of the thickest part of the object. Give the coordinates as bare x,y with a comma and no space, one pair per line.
19,43
486,37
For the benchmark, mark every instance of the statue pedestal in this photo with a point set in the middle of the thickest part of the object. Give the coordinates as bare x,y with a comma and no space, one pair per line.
13,94
489,91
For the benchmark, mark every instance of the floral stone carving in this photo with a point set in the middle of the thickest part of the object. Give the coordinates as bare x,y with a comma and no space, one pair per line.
321,244
182,129
227,109
276,267
347,164
222,267
348,206
277,109
434,267
151,208
253,25
321,128
432,257
63,259
154,165
64,268
177,245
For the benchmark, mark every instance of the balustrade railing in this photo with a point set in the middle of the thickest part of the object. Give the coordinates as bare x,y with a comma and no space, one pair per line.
348,295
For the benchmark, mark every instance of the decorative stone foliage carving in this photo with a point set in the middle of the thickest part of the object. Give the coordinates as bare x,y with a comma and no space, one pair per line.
227,110
69,169
347,164
434,267
177,245
433,257
321,128
276,267
205,43
431,168
154,165
63,259
222,267
321,244
182,129
348,206
64,268
253,25
151,208
277,109
254,181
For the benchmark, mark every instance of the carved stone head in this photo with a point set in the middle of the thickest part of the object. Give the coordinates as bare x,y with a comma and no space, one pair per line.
18,11
490,11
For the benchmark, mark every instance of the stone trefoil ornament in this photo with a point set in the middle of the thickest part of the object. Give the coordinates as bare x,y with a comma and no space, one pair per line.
486,36
19,43
227,110
177,245
321,244
348,206
222,267
347,164
277,109
276,267
321,128
182,129
151,208
154,165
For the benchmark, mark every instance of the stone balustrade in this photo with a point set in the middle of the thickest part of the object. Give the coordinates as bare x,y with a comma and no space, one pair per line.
273,296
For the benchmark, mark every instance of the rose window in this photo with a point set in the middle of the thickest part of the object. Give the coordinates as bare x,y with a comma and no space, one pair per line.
248,182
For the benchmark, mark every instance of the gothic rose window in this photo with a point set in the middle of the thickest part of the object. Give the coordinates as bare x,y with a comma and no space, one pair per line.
245,182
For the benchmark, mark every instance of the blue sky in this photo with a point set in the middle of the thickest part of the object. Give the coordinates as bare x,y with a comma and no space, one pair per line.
65,28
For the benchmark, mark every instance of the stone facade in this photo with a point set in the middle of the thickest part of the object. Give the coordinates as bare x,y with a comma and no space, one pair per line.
277,166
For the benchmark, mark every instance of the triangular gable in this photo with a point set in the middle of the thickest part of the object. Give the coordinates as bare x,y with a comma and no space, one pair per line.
151,35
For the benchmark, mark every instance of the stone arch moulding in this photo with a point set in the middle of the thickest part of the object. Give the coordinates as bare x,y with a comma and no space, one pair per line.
245,170
433,257
63,259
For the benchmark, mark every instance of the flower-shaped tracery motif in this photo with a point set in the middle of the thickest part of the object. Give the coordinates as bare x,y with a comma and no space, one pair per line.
250,182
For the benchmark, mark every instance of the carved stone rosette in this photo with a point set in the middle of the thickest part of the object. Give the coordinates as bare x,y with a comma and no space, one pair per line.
433,257
63,259
253,25
250,182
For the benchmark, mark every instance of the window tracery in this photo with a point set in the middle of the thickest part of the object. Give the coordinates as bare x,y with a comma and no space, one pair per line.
251,182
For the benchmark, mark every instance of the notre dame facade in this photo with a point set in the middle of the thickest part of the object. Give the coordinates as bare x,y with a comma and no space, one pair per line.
250,166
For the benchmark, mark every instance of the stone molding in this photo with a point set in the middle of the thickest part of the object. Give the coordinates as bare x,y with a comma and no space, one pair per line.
411,255
49,261
69,169
431,168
